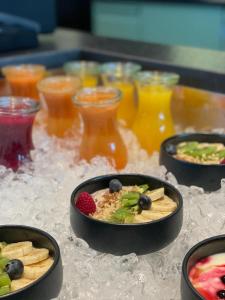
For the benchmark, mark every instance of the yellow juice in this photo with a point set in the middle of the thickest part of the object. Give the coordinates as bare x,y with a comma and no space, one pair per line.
153,122
89,80
127,107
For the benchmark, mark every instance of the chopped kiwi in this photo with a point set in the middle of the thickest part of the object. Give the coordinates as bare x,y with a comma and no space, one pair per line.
3,262
4,290
143,188
122,215
4,280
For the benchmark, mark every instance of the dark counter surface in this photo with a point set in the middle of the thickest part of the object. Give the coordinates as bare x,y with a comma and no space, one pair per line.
198,67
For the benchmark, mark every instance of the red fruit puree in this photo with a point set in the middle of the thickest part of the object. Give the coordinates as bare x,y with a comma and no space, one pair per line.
16,120
208,277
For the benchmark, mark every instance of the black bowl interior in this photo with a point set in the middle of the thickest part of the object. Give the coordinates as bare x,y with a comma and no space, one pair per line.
205,248
198,137
39,238
102,182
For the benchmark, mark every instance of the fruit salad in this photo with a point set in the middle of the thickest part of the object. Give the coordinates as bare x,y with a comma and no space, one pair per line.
208,277
201,153
126,204
21,264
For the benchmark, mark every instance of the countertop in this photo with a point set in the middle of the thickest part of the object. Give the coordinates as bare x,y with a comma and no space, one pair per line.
194,64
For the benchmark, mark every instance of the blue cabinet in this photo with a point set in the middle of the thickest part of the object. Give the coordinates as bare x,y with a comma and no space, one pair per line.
180,23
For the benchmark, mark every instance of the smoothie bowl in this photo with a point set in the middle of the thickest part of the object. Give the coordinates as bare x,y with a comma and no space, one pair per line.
30,264
124,213
203,271
195,159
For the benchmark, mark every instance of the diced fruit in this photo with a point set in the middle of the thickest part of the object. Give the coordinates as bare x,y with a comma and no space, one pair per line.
222,278
156,194
85,203
115,186
4,290
145,202
143,188
37,270
35,256
3,262
122,215
14,269
20,283
4,279
221,294
15,250
130,199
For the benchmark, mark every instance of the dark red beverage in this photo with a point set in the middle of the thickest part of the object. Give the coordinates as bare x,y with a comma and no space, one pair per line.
16,120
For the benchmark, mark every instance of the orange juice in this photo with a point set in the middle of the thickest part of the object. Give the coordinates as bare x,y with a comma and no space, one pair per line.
86,70
153,121
56,93
23,79
101,137
120,75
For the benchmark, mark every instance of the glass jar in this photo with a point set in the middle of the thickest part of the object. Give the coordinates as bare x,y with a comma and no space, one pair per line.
98,107
120,75
16,119
56,93
23,79
87,71
153,122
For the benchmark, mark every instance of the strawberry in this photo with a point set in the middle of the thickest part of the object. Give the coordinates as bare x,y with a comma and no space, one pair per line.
85,203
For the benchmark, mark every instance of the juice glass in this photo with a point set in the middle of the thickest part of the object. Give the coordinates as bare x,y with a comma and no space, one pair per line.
88,71
16,120
120,75
23,79
153,122
56,93
98,107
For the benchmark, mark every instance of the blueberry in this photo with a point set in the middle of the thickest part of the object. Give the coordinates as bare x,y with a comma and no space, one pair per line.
115,186
221,294
222,278
144,202
14,269
171,149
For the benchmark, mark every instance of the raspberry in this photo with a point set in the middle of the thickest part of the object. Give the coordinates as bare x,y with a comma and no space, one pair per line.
85,203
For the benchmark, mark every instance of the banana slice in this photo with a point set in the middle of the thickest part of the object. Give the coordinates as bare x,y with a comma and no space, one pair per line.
20,283
16,250
35,271
35,256
154,215
156,194
164,205
141,219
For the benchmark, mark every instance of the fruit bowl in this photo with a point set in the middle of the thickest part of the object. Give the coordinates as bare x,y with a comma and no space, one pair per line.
49,284
120,239
207,176
201,251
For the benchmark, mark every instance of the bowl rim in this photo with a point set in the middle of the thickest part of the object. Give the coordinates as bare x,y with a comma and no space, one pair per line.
99,178
184,135
56,258
189,254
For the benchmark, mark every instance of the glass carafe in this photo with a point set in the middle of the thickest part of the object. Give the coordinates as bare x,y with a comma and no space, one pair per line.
98,107
153,122
16,119
23,79
87,71
56,93
120,75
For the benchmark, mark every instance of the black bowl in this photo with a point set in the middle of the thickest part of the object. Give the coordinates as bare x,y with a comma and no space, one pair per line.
122,239
206,176
203,249
49,285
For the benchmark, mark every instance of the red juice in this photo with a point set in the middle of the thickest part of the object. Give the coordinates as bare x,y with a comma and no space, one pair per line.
16,120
